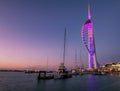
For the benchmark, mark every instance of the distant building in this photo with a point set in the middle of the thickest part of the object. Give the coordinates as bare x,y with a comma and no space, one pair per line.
116,66
113,67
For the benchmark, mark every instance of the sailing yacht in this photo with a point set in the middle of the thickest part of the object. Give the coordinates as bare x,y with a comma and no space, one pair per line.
62,71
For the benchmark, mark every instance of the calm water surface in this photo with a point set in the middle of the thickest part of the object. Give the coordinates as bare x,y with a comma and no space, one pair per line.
19,81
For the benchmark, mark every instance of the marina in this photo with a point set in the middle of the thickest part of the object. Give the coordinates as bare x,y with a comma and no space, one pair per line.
59,45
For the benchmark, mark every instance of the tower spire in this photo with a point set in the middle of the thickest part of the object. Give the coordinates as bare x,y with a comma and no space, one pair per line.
89,15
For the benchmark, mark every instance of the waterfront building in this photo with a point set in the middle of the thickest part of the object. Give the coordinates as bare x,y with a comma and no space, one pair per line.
113,67
116,66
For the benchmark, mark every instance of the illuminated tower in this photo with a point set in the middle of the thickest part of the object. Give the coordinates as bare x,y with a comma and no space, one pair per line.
88,40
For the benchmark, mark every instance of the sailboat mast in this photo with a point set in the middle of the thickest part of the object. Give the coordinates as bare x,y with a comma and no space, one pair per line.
76,58
47,63
64,46
82,65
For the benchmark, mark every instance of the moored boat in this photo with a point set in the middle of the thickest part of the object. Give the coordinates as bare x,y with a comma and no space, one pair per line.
45,75
62,72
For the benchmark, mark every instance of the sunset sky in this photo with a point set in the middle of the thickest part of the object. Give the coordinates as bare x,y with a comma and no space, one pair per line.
32,32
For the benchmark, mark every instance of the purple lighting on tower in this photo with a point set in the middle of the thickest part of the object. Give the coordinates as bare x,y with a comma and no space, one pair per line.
88,40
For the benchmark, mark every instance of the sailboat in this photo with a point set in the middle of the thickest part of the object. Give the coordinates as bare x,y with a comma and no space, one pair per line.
62,72
76,69
45,74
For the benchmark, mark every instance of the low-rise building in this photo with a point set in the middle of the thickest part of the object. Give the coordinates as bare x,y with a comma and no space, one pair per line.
111,67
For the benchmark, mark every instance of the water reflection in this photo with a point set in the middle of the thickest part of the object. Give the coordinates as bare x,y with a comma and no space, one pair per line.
41,85
52,85
28,82
61,85
91,83
115,74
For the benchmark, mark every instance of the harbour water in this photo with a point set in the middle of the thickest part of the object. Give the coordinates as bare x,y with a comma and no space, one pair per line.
19,81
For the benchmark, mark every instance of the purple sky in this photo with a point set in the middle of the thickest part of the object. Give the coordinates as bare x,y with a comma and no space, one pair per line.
32,31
